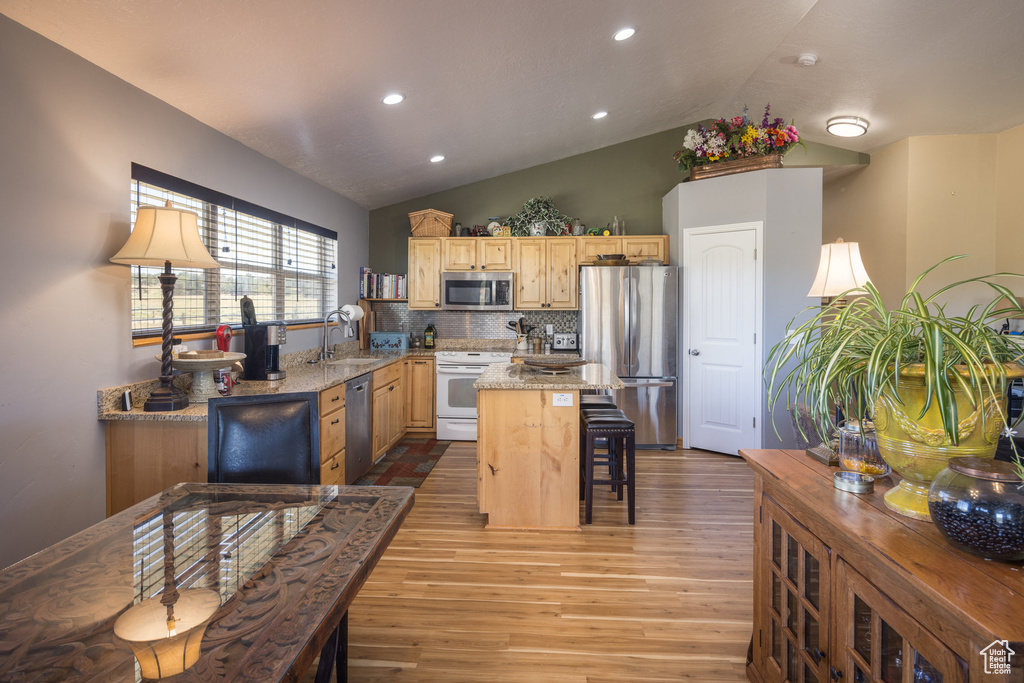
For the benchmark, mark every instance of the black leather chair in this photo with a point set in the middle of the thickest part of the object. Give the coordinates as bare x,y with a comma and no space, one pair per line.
273,439
269,439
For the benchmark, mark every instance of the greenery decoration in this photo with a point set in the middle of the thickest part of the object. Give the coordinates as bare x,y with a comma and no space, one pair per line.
534,210
847,355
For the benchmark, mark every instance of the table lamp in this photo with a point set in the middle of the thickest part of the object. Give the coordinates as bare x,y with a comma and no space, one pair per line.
839,271
165,236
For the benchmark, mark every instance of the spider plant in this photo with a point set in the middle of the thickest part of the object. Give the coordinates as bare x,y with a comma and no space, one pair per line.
849,355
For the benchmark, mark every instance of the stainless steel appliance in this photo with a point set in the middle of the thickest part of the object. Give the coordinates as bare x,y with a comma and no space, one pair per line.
263,351
476,291
564,341
627,321
358,427
456,397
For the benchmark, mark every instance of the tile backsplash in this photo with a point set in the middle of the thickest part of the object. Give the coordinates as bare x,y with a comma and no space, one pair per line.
396,317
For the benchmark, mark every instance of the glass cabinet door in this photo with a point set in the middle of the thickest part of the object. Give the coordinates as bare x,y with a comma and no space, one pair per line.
793,600
877,642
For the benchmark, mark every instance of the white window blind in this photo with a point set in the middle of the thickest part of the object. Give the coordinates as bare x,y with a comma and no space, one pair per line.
286,266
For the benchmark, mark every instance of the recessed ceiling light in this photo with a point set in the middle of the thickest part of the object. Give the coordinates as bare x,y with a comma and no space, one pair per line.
600,115
624,33
393,98
436,158
847,126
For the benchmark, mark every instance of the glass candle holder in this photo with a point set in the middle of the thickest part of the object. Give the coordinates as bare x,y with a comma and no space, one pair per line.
859,452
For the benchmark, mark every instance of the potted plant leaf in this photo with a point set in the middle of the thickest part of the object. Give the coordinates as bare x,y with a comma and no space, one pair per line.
538,215
934,384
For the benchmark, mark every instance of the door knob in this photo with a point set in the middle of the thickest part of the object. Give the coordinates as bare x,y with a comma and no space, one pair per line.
694,352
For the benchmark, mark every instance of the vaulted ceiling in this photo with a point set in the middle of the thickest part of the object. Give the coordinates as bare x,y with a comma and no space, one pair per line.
501,85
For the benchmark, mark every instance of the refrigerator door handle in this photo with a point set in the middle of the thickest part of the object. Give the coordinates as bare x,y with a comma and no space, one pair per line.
634,318
624,328
634,385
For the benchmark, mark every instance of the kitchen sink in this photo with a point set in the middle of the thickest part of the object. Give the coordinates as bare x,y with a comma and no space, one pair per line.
353,361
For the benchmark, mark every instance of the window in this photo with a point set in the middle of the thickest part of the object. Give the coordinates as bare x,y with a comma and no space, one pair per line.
285,265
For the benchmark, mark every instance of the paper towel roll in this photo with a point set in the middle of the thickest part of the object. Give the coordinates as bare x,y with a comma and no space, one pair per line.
353,312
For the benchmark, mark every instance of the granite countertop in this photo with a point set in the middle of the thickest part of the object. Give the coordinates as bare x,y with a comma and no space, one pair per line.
519,376
553,357
299,377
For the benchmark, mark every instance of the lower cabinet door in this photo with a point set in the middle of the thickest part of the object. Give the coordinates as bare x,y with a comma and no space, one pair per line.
381,421
792,607
332,470
878,641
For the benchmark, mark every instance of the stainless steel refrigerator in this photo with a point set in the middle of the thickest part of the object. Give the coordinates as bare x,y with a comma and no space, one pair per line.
627,321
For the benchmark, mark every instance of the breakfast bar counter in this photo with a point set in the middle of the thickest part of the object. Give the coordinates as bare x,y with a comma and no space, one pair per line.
528,443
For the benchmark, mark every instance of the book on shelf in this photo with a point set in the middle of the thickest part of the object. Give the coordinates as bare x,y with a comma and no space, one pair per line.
381,285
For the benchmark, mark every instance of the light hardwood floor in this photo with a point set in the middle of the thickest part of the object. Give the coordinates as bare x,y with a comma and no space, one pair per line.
666,600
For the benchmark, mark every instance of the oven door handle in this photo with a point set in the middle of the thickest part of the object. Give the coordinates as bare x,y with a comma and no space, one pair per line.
459,370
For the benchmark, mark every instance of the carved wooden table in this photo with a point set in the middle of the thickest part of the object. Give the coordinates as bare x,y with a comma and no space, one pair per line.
278,565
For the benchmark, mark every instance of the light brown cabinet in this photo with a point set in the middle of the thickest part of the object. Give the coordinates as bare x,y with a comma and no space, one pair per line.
424,282
640,247
846,590
388,408
332,435
477,253
545,273
636,248
420,390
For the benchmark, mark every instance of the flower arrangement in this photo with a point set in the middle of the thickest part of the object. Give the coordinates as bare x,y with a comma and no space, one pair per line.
736,138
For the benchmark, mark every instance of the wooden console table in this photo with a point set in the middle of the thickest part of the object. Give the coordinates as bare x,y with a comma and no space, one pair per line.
277,567
846,590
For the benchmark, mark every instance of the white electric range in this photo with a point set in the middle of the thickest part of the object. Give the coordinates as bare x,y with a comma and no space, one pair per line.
456,397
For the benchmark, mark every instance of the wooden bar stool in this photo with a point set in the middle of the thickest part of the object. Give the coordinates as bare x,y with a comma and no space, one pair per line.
613,425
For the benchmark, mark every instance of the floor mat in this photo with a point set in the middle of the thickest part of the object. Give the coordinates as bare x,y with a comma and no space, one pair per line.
407,464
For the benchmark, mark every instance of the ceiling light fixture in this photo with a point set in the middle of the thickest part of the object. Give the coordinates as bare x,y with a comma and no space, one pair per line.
847,126
807,59
436,158
599,115
624,33
393,98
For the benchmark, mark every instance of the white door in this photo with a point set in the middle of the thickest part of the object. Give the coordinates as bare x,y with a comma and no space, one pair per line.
721,329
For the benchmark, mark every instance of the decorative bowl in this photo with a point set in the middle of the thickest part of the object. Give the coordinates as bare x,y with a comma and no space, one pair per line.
611,257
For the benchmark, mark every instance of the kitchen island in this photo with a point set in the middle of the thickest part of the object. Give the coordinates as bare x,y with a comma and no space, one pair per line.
528,443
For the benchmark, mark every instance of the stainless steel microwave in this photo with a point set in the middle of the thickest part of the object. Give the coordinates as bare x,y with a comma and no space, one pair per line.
476,291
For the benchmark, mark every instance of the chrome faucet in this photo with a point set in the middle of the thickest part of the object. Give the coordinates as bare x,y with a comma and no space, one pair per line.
342,315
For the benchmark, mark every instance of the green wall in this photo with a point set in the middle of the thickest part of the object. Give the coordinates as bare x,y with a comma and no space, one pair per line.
626,180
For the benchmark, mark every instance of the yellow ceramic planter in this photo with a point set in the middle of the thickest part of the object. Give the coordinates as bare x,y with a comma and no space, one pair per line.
917,449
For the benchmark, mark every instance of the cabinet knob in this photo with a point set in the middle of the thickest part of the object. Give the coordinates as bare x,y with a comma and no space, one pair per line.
472,267
816,655
483,267
835,673
391,388
437,304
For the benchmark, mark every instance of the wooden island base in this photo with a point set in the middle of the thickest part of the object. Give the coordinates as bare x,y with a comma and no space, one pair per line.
528,459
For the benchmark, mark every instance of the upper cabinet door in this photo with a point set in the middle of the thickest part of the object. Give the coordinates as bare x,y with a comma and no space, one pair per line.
643,247
460,253
494,253
591,247
563,277
530,273
424,273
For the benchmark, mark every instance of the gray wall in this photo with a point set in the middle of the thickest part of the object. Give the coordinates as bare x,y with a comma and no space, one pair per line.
68,134
628,180
788,201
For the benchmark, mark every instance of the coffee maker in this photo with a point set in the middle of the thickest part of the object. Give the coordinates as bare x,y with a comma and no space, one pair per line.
263,351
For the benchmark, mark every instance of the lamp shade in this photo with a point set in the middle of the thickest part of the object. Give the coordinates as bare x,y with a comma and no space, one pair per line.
839,270
164,234
167,646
